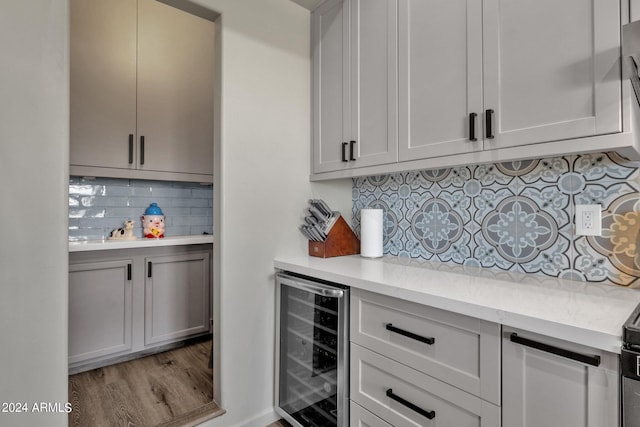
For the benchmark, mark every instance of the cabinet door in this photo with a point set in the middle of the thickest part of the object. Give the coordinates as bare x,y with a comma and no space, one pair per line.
543,389
103,82
175,89
330,68
374,122
551,69
100,309
176,297
440,77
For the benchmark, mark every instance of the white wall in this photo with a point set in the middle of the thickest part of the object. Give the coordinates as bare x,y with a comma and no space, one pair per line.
262,188
34,117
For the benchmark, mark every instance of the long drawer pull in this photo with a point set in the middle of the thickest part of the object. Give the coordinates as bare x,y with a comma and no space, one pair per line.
425,413
426,340
593,360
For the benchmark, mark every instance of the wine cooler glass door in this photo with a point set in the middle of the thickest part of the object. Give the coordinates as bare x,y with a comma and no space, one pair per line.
311,366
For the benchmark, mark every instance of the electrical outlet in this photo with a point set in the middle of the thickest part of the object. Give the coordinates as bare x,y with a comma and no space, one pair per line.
588,220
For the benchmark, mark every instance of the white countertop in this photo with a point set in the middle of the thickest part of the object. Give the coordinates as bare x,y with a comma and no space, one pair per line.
585,313
101,245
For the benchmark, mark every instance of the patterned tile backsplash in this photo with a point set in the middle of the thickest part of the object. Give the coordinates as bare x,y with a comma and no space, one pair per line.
515,216
97,206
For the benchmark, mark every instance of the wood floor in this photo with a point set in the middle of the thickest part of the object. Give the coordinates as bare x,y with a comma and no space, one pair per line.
165,389
281,423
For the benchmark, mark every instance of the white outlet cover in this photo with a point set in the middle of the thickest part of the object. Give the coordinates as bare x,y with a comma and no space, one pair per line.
582,228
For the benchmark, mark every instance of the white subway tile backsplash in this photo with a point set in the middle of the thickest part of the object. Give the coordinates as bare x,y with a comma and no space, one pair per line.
97,206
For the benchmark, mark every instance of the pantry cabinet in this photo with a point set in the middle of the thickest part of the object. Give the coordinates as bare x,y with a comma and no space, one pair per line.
100,309
176,297
554,383
141,91
354,57
125,302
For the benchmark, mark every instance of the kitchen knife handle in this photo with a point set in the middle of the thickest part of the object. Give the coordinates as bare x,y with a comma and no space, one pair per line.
472,127
344,152
425,413
142,150
130,148
488,117
589,359
351,150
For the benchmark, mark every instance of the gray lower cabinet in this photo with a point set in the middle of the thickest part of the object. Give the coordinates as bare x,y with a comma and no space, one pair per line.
129,301
414,365
176,302
403,396
540,388
100,309
360,417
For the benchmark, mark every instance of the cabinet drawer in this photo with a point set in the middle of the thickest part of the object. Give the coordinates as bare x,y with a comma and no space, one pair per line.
389,390
459,350
360,417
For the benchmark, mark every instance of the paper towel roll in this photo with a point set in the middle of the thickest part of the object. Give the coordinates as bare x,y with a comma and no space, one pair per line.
371,233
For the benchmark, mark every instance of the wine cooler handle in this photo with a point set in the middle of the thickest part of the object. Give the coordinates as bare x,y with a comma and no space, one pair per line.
315,288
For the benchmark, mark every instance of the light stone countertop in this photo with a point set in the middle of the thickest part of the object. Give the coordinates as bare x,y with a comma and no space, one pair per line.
591,314
141,242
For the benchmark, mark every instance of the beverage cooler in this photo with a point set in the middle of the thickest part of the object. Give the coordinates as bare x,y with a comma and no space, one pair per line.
312,352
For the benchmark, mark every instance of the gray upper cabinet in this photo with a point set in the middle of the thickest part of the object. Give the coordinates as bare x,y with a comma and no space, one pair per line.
141,91
103,83
447,83
551,70
440,77
540,388
481,75
354,55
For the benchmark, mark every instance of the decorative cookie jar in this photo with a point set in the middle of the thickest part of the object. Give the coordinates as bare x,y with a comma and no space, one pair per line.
153,222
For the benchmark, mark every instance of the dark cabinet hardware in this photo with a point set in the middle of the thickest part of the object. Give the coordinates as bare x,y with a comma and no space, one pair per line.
351,150
128,271
149,268
488,118
426,340
142,150
472,127
593,360
130,148
425,413
344,152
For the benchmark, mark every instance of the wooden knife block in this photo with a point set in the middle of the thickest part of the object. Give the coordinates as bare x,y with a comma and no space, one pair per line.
341,240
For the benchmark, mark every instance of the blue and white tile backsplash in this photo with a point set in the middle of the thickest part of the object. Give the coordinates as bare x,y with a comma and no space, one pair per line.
515,216
97,206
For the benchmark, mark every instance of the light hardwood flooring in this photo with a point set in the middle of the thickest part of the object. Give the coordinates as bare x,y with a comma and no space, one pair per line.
281,423
173,388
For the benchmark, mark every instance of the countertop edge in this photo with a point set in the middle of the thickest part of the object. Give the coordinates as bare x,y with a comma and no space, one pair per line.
592,338
101,245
